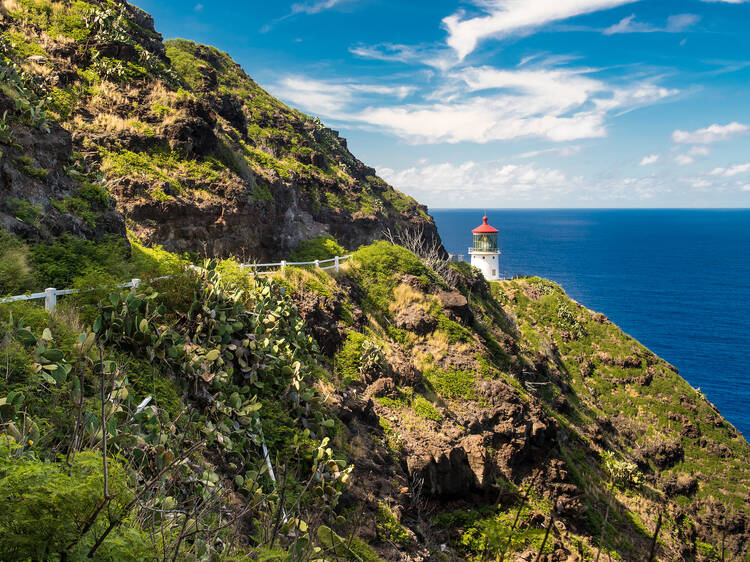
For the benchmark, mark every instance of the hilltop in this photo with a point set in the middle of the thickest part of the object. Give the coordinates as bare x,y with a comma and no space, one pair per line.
106,127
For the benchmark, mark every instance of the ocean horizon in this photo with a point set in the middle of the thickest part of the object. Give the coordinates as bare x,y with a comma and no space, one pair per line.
676,280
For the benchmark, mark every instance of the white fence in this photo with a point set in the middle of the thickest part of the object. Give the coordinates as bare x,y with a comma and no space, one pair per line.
50,294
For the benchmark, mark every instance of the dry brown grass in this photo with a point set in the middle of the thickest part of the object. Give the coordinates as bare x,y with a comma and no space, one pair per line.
404,297
10,5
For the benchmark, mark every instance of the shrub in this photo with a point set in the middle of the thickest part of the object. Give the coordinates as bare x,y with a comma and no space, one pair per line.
22,209
15,273
319,248
26,166
349,359
389,529
57,264
377,267
452,383
48,504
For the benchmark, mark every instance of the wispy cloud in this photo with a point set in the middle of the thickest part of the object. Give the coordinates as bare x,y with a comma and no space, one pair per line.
449,183
650,159
562,151
483,104
506,17
332,99
313,7
304,8
675,24
710,134
428,55
198,8
731,171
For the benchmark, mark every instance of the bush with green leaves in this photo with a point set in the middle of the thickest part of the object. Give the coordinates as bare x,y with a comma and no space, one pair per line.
23,209
15,272
318,248
49,505
377,267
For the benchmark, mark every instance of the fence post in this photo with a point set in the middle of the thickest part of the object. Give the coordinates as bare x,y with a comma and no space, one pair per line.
336,262
283,264
50,299
317,264
134,283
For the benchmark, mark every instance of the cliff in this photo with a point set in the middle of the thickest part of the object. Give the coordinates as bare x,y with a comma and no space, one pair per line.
104,125
395,410
381,412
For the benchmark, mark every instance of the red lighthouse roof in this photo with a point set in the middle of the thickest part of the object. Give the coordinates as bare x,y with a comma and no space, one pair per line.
485,228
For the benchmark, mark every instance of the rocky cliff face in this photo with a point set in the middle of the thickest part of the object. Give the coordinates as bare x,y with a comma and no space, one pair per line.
466,398
195,154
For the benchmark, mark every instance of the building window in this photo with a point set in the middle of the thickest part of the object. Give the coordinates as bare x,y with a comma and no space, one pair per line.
494,274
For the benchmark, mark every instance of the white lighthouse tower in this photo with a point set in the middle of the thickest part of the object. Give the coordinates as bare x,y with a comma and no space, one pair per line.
484,253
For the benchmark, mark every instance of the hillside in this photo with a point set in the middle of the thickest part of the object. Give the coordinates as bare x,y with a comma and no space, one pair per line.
398,409
406,415
105,127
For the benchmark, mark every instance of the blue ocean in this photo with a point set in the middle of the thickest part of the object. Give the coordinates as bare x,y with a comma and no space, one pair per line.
676,280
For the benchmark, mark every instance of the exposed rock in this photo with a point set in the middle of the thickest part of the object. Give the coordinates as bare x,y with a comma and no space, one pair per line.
416,320
664,455
455,306
683,485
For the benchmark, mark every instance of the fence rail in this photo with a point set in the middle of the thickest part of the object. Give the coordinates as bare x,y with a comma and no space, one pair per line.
50,294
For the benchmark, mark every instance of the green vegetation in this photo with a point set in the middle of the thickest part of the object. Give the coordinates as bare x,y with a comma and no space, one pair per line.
376,268
389,529
452,383
15,272
318,248
26,166
424,409
167,166
22,209
48,503
196,330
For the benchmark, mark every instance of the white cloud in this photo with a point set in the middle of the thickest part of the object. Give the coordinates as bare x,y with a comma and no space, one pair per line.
328,98
504,17
198,7
725,1
471,182
710,134
562,151
731,171
481,104
684,159
699,151
650,159
675,24
303,8
745,187
314,7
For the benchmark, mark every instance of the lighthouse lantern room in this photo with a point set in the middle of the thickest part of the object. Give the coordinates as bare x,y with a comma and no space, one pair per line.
485,253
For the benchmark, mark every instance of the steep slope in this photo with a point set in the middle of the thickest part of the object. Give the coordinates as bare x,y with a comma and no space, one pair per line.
196,155
485,393
403,416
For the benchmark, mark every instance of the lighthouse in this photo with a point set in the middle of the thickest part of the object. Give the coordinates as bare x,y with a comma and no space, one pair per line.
484,253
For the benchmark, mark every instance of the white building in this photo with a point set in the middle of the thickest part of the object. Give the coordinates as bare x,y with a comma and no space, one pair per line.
484,253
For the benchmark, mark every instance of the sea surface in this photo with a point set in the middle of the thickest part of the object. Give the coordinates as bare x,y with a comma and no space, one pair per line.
678,281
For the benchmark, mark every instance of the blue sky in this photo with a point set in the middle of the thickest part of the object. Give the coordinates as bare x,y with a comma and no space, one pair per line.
510,103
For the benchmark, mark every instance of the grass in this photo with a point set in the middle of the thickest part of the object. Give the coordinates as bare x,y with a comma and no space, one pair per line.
167,166
452,383
22,209
318,248
27,167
